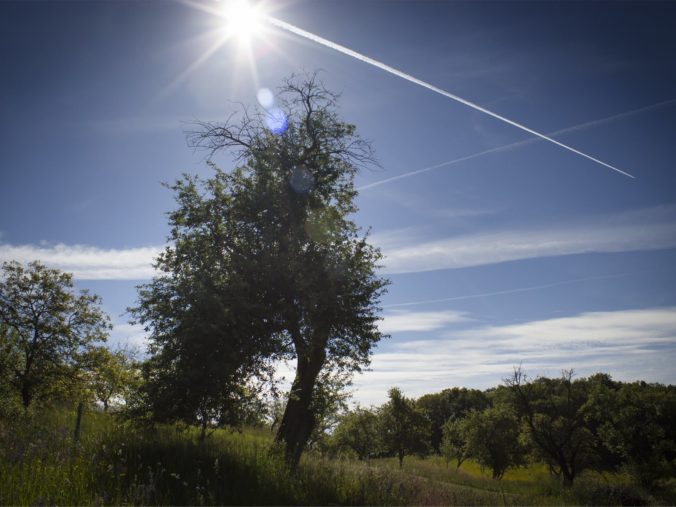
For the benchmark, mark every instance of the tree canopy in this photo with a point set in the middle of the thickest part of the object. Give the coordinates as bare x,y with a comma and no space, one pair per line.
265,263
46,328
404,426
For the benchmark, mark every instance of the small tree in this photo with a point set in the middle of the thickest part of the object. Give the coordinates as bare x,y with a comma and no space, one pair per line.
47,327
454,442
492,438
329,402
113,374
359,431
404,427
453,403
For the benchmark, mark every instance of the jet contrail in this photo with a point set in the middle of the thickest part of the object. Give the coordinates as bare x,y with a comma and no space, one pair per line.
509,291
517,144
342,49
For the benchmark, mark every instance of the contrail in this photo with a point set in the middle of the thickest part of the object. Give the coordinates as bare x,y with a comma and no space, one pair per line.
509,291
342,49
517,144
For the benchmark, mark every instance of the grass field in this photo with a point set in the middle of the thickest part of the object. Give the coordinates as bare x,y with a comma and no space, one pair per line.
115,463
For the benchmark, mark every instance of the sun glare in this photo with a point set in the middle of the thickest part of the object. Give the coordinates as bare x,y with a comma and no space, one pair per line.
242,19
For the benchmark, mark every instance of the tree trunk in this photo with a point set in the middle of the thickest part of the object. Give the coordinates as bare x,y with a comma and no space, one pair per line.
78,421
401,458
298,420
568,477
105,405
568,472
203,432
26,395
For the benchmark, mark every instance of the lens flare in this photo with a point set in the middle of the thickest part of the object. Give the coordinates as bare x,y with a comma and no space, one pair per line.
276,121
265,98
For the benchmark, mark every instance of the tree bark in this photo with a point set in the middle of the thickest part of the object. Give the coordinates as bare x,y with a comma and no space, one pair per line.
78,421
568,477
26,395
298,420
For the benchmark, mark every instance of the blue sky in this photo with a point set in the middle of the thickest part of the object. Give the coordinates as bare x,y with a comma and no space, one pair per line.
517,252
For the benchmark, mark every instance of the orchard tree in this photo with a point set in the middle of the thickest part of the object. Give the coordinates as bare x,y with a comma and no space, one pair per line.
113,374
404,427
453,403
554,411
329,403
634,423
359,431
492,438
46,326
454,441
265,262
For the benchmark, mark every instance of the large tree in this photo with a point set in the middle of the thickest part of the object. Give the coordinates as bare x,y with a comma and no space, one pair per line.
265,261
47,327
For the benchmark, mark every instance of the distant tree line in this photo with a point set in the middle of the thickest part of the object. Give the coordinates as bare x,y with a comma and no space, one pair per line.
569,424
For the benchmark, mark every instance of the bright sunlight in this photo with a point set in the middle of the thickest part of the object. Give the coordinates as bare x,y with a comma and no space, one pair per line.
242,19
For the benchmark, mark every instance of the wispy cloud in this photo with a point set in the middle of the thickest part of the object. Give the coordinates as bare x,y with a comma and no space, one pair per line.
404,321
87,262
129,335
504,292
649,229
519,144
629,344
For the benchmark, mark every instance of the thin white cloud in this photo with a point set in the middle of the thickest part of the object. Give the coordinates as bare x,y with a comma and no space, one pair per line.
629,344
650,229
505,292
87,262
129,335
400,322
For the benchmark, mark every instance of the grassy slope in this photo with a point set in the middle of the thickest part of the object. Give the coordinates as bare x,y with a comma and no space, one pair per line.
116,464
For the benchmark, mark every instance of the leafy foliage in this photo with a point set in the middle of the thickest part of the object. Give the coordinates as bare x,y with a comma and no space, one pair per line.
113,374
359,431
453,403
634,423
492,438
554,413
454,442
46,329
404,427
264,264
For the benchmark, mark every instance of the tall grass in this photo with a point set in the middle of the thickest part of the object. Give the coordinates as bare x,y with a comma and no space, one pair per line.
116,463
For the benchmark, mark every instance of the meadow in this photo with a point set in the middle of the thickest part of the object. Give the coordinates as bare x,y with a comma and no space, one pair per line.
116,463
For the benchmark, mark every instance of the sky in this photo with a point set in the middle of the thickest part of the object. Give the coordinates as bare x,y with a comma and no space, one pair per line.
502,249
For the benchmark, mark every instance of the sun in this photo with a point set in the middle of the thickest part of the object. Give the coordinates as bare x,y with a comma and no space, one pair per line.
242,20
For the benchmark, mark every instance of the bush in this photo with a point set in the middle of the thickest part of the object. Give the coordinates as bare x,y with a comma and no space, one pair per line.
591,490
